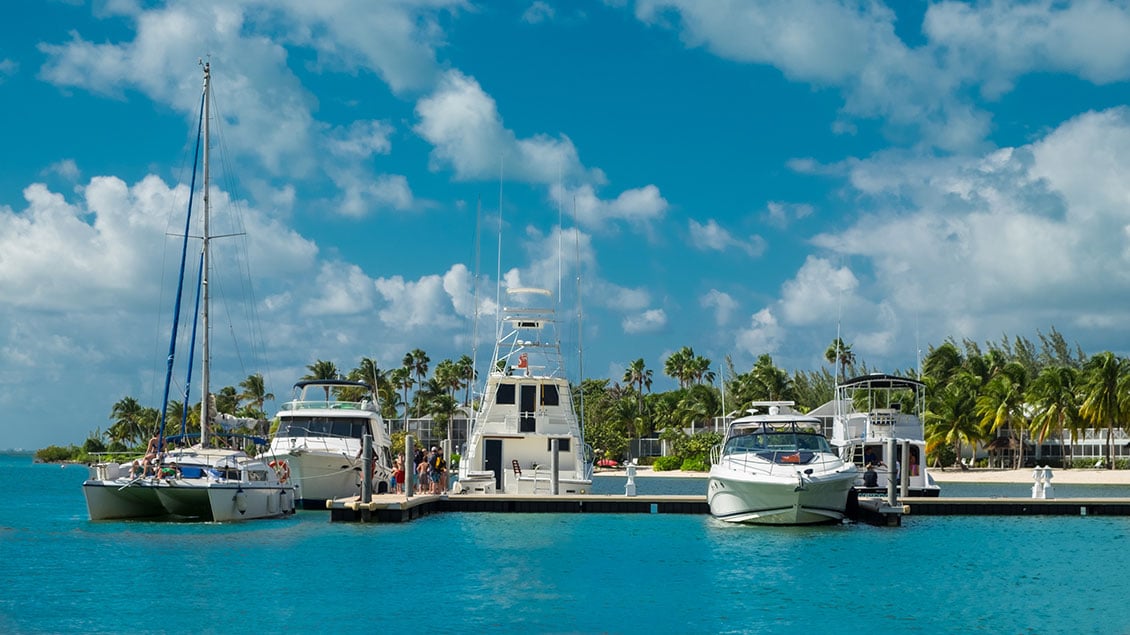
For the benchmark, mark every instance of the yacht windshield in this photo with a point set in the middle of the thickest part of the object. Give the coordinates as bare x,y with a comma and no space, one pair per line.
321,427
759,440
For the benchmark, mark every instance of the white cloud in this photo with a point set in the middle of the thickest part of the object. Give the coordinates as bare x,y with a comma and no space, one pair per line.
712,236
722,304
646,322
538,12
763,335
782,214
462,121
816,294
637,207
361,139
8,68
66,168
421,304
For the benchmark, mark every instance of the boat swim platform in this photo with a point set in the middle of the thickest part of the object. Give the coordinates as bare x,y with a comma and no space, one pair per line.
396,508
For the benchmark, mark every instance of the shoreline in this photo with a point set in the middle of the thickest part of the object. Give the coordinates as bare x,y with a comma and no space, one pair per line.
950,475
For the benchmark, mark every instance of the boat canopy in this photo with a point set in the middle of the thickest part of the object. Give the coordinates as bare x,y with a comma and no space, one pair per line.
880,380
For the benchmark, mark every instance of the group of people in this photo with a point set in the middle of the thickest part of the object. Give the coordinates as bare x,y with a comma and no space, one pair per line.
429,472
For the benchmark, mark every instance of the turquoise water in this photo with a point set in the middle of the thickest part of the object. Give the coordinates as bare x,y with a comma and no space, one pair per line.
534,573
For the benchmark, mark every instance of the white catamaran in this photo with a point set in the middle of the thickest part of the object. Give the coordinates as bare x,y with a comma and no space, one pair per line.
202,482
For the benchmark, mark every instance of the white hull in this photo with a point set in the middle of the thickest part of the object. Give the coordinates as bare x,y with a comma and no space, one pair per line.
320,437
209,484
741,497
322,476
123,499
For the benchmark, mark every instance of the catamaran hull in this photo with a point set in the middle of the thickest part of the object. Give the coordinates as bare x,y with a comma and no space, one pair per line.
121,500
225,502
771,500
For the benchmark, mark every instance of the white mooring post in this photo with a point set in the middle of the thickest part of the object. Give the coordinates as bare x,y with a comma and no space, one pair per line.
630,486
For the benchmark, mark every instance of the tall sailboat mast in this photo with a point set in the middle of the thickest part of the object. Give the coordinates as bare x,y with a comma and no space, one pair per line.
205,408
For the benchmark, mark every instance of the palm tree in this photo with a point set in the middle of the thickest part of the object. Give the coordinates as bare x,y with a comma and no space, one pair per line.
1104,384
322,369
1053,393
699,370
678,364
369,373
1001,403
952,416
839,353
402,378
416,361
255,392
638,375
128,421
467,373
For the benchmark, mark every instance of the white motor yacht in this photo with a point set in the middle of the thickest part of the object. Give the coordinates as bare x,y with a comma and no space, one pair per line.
319,441
775,467
878,426
525,437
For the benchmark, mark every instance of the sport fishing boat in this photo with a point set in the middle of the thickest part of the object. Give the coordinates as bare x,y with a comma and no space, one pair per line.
525,437
201,482
878,426
775,467
319,441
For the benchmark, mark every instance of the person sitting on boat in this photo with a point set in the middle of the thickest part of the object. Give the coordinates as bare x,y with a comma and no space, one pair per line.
870,477
136,471
169,471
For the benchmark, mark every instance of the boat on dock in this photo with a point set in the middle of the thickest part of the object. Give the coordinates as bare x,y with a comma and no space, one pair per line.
201,482
878,426
319,441
525,436
775,467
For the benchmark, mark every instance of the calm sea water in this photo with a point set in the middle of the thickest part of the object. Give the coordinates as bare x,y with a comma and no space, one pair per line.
535,573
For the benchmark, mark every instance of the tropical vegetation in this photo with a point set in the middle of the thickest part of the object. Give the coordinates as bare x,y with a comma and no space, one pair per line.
1005,396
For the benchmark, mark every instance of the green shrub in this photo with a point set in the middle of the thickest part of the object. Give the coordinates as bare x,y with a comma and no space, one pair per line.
666,463
54,453
695,464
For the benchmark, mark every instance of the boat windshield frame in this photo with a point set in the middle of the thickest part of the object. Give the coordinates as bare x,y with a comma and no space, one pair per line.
785,437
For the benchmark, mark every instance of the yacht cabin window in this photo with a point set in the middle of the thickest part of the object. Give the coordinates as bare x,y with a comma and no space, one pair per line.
549,395
562,445
504,395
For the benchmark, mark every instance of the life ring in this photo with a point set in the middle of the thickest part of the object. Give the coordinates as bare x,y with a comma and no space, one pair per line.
282,468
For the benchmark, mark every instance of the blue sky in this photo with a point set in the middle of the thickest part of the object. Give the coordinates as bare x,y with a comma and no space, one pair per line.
738,177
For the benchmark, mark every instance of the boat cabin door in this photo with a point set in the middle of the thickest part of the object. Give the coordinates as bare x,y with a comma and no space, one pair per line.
492,460
527,403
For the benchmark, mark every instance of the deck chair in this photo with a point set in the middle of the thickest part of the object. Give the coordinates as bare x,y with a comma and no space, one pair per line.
517,468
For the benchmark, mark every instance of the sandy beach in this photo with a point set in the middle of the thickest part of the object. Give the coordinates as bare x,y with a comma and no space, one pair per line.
950,475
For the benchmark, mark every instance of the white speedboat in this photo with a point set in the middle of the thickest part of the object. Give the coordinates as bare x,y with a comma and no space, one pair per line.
319,441
878,426
777,468
525,437
200,482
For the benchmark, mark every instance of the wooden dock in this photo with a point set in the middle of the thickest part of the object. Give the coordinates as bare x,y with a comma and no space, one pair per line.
396,508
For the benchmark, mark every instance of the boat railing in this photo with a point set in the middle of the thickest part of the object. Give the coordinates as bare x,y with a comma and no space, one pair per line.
328,405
